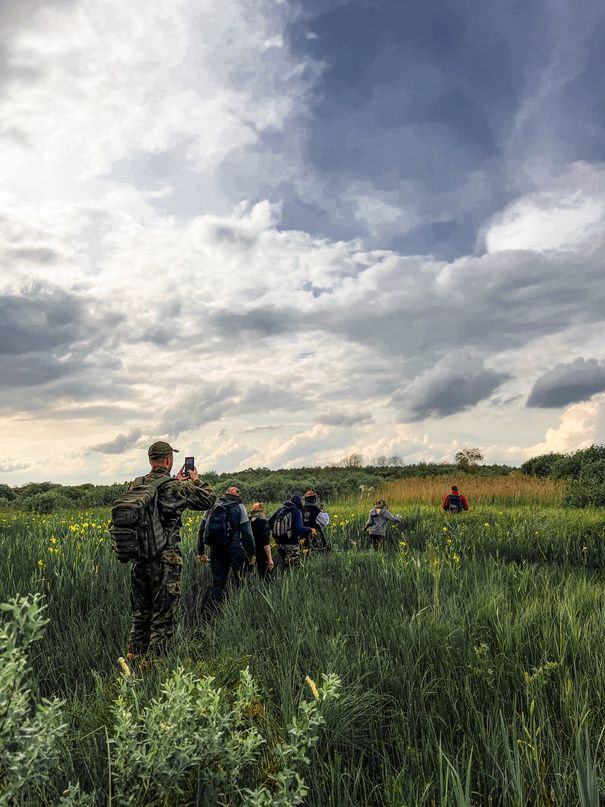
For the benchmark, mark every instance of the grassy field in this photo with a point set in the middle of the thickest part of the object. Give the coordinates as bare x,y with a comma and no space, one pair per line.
471,652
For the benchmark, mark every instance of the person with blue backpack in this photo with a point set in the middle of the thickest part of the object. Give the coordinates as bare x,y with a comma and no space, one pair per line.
288,528
226,530
455,502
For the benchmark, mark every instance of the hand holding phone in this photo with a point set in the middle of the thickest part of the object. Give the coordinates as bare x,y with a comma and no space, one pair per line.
188,470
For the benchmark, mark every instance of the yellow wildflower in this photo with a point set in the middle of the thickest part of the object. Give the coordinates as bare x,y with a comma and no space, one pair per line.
312,687
124,667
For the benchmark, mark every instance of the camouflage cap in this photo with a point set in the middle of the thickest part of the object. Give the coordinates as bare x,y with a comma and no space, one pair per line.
160,449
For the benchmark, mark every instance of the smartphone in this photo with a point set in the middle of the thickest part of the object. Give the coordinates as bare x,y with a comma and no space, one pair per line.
189,465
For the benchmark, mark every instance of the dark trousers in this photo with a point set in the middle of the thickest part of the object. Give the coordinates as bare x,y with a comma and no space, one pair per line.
155,590
289,556
222,559
261,562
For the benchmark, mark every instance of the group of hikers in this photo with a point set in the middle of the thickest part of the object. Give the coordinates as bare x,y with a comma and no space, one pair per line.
147,518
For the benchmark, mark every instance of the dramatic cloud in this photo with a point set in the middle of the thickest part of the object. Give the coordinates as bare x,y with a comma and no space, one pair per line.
119,444
454,385
231,225
568,383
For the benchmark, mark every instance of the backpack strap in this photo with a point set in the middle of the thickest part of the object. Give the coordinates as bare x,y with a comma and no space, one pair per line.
159,481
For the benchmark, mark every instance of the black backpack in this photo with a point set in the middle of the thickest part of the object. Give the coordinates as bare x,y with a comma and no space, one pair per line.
135,527
282,526
454,503
221,523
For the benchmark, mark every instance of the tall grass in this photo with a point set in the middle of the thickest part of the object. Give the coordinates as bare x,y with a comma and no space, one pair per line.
512,489
471,651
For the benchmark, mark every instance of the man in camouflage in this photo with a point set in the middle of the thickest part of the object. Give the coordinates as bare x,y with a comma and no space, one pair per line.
155,585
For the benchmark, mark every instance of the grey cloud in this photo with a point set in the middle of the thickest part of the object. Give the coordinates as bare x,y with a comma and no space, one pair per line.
119,444
15,17
39,319
8,466
214,402
261,429
52,349
424,307
453,385
568,383
105,412
260,322
33,254
197,408
346,419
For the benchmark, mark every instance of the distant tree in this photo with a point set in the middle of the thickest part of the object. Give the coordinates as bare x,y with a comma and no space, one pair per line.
395,460
468,458
382,461
354,460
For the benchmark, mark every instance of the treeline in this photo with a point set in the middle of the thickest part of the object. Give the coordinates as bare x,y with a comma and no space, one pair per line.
584,470
258,484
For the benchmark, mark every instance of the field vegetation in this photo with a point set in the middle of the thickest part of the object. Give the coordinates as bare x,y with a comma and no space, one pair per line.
465,663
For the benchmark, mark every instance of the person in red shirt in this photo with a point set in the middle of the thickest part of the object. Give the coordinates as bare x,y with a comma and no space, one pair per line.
455,502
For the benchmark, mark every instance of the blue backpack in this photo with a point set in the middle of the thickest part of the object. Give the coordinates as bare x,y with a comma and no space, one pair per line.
454,503
222,522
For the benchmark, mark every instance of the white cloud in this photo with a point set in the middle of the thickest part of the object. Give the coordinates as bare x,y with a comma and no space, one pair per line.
577,429
565,216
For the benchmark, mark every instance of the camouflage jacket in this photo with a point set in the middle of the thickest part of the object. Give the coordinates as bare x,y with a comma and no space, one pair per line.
174,497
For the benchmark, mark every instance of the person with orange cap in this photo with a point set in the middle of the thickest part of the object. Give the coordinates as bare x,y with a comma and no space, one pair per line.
262,536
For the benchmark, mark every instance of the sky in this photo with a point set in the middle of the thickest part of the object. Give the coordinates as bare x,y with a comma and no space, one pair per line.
274,232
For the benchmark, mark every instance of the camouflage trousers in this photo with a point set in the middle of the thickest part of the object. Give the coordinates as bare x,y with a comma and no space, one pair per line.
289,556
376,541
155,590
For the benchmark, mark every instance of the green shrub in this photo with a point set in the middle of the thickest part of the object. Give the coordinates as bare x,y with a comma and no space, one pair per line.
588,490
30,729
541,465
194,740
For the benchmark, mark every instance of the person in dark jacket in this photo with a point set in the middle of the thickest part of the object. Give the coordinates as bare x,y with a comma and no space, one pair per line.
233,556
455,502
262,535
288,529
316,517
